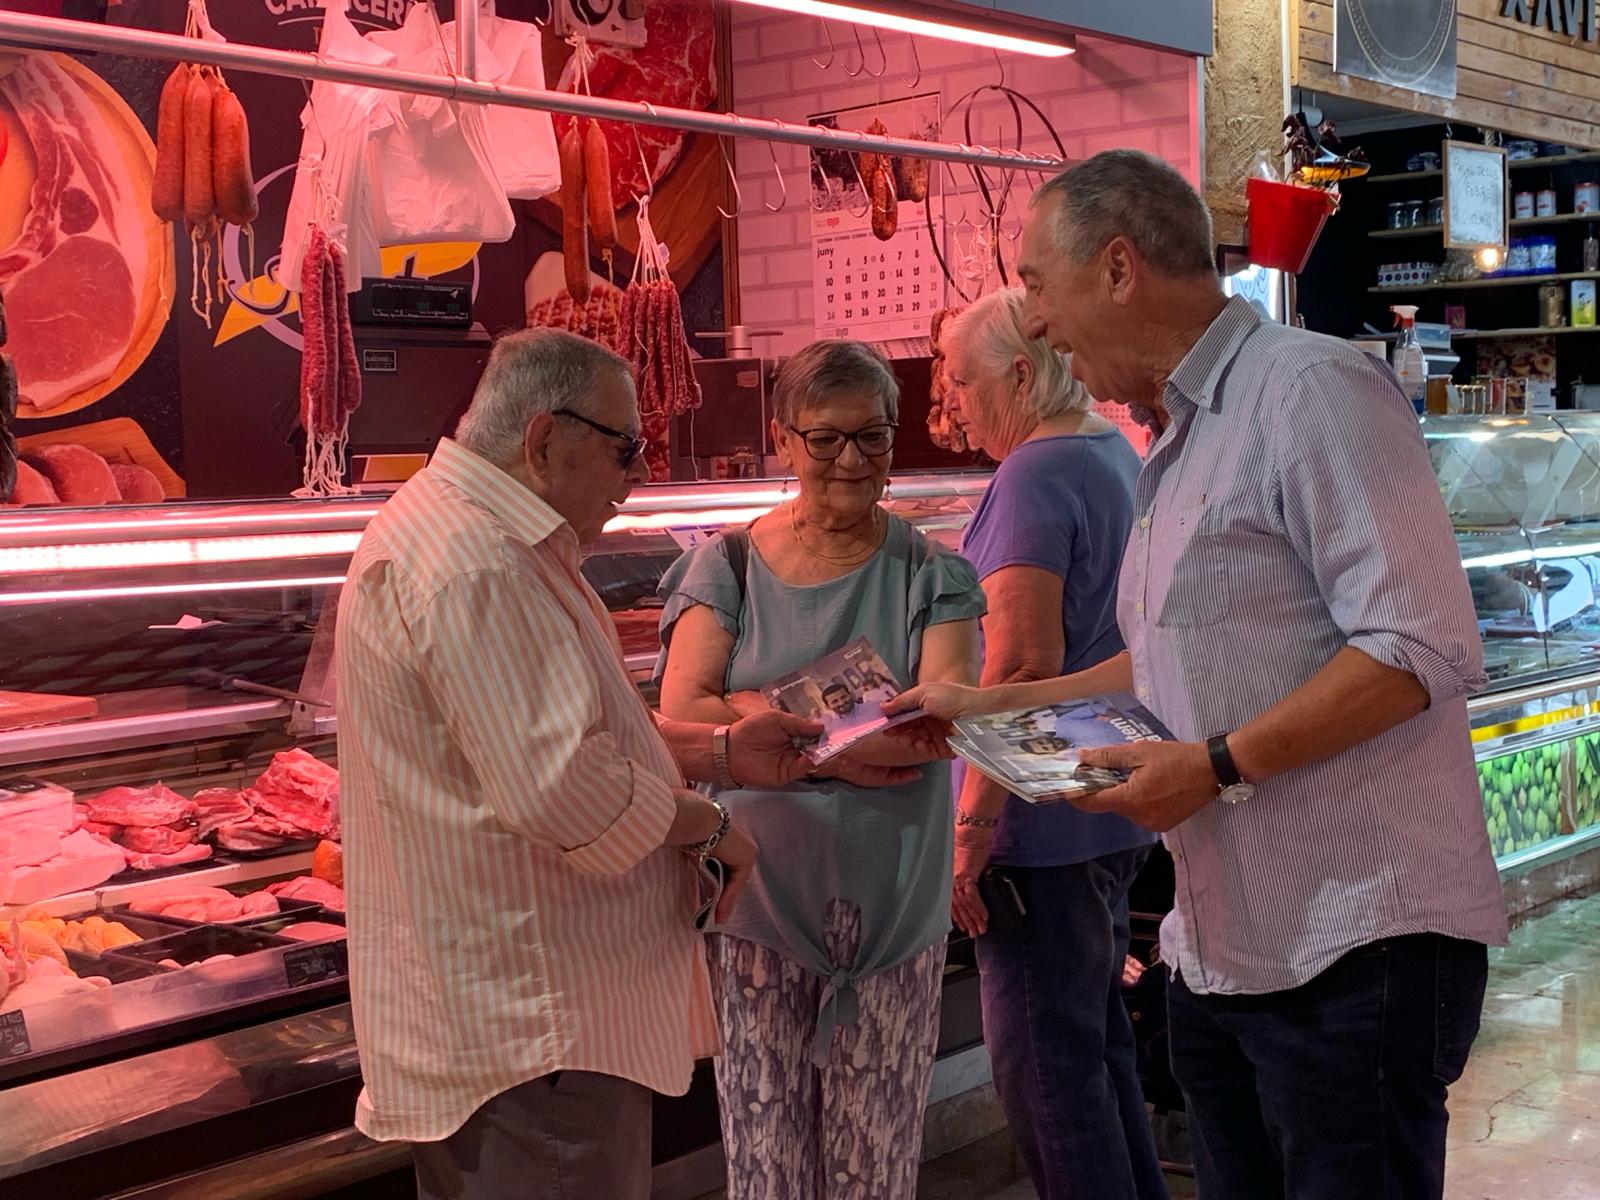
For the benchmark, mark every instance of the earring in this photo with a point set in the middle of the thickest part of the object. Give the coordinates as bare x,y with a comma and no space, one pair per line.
888,489
784,490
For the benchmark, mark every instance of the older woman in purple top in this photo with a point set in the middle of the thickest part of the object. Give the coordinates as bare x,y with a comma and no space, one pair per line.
1047,540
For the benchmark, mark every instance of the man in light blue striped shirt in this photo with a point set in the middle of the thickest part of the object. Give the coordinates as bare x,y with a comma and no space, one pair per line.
1295,612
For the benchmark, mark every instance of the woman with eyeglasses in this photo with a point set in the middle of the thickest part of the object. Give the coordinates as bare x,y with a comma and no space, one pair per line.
828,974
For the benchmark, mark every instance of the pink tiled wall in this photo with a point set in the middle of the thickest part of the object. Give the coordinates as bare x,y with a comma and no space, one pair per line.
1107,95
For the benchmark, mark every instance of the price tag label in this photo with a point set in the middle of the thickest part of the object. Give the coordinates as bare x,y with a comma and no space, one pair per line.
14,1041
317,963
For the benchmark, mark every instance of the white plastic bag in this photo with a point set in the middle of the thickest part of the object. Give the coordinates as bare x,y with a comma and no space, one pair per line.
522,141
331,187
433,173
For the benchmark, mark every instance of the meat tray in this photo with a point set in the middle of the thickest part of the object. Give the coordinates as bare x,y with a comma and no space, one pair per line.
146,927
275,924
196,945
117,971
301,908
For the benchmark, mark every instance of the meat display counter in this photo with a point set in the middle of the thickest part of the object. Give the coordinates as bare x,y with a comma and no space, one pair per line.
175,1010
1523,493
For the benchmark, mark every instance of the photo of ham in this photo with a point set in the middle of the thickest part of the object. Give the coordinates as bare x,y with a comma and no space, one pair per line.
86,269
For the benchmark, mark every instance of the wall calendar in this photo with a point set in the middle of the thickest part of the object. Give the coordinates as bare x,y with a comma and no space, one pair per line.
882,290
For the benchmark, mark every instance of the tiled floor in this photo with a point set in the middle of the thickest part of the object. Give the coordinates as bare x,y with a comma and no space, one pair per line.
1525,1118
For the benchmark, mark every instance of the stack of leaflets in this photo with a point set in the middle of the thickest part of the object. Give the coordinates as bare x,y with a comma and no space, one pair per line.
846,692
1034,753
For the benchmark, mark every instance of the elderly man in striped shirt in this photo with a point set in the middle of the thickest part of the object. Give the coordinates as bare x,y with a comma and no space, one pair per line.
1295,612
525,970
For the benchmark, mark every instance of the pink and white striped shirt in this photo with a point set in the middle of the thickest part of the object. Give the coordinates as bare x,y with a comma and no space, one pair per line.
512,908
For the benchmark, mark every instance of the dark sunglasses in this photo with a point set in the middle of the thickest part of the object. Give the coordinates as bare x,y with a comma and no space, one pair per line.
635,445
825,444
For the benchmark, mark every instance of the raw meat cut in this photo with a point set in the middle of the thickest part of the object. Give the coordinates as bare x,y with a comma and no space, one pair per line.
196,852
313,931
677,66
34,802
73,277
299,790
215,807
157,839
32,487
135,485
307,887
206,905
154,805
258,834
24,844
77,473
84,862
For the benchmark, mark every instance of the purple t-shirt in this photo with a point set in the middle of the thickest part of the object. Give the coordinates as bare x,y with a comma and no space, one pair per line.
1064,505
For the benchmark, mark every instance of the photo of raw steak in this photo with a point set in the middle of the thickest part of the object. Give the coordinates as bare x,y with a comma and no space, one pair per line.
77,473
75,277
32,487
135,485
676,66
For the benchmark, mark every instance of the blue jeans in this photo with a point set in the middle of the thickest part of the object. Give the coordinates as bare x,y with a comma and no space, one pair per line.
1337,1088
1059,1038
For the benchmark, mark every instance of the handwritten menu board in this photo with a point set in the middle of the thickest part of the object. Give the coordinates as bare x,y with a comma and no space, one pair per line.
1474,195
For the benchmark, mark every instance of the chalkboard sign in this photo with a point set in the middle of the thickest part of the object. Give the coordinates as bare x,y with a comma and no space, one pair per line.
1474,195
306,965
14,1041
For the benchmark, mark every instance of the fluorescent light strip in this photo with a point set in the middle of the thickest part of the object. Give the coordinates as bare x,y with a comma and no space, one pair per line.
850,13
686,520
174,552
229,520
168,589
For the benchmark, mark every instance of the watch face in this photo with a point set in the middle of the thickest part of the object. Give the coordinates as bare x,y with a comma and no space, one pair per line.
1237,794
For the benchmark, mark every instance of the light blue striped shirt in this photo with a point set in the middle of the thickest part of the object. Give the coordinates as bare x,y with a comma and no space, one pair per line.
1290,510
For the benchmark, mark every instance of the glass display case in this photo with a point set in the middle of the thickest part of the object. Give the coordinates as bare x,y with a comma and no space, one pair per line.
1524,495
169,881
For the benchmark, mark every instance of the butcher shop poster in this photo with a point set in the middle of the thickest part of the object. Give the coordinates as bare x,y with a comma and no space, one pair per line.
100,294
873,269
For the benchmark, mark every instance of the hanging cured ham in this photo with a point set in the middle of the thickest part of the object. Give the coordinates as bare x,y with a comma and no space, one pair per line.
73,278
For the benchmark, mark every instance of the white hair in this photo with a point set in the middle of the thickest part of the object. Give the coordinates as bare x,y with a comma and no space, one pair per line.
531,372
1131,194
992,330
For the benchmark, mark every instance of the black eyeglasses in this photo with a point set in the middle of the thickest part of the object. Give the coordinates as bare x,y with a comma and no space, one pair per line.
635,445
825,445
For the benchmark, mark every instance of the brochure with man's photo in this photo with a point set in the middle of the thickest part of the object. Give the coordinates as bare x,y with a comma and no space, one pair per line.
1036,753
845,691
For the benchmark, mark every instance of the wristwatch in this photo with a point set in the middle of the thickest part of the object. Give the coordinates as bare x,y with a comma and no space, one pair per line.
1232,787
719,759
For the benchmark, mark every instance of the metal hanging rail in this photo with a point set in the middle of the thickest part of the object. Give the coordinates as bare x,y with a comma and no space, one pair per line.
57,33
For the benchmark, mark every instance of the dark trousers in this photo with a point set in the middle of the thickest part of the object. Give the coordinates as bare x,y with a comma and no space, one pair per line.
570,1135
1060,1042
1335,1089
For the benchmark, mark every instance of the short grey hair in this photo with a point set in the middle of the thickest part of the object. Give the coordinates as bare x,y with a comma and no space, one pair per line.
994,331
531,372
830,368
1131,194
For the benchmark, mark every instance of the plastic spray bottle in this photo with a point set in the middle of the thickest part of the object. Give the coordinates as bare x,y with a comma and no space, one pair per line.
1409,364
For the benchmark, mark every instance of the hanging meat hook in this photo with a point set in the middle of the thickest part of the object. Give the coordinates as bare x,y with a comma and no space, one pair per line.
883,56
733,180
783,186
861,55
827,33
917,59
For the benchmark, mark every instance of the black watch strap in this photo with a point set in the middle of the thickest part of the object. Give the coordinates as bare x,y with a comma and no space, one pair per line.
1222,761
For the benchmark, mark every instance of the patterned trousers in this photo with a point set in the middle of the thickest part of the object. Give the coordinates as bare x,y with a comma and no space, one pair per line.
851,1130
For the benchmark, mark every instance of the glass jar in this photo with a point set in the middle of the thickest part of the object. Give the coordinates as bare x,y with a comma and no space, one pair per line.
1415,211
1436,211
1397,214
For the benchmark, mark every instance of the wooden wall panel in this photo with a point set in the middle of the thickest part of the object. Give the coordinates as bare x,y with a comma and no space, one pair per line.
1509,76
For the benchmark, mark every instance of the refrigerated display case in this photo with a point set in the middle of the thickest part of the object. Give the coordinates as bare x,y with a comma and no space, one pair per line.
203,635
1523,493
